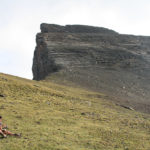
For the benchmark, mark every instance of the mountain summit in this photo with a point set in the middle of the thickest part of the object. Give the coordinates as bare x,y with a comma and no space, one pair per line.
96,58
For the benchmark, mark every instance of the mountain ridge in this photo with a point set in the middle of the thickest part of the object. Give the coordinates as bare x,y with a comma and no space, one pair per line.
96,58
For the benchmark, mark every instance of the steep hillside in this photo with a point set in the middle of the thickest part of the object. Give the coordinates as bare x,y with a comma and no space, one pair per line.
98,59
56,117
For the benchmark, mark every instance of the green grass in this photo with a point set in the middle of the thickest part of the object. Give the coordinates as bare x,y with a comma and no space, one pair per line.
56,117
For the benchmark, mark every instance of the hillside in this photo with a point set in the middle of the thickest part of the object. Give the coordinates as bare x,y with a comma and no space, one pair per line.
97,59
57,117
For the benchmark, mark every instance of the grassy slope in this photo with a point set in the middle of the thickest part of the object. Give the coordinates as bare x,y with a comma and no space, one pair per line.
55,117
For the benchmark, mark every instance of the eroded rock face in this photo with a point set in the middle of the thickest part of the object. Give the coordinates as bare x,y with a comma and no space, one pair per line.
97,58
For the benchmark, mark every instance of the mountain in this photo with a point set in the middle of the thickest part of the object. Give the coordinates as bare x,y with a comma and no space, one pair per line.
55,117
97,59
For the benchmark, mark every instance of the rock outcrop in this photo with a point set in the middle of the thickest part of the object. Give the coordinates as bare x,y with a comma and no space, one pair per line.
96,58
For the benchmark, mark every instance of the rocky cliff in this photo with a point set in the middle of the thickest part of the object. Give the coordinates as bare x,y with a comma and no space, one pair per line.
96,58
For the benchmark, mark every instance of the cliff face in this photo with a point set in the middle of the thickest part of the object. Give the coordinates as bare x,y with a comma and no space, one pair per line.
55,43
96,58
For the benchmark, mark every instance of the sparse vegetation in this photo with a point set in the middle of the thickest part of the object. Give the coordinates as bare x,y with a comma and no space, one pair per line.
56,117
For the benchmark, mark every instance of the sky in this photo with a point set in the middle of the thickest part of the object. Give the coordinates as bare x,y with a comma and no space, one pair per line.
20,22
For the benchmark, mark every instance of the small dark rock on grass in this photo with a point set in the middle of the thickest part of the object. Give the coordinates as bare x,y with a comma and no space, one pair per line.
1,95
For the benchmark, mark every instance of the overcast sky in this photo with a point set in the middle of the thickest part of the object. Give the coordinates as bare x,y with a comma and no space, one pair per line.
20,21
